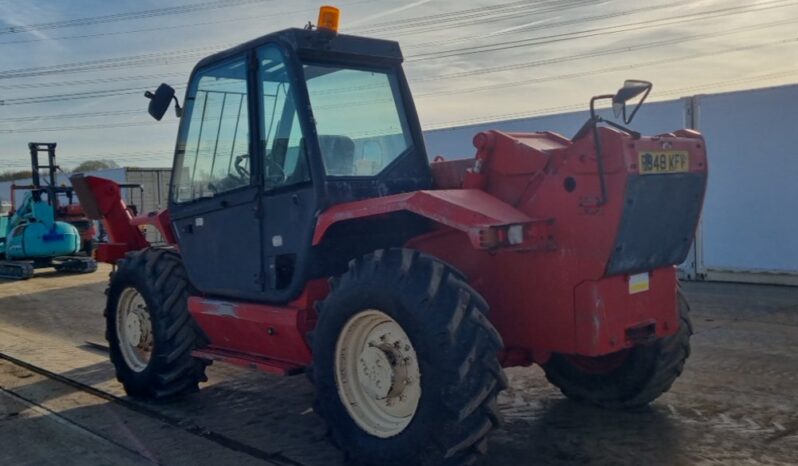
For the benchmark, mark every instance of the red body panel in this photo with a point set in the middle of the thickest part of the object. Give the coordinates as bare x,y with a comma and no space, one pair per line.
102,200
161,220
471,211
270,338
607,317
559,300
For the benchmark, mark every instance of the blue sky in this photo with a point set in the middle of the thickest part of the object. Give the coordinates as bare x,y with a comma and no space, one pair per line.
467,60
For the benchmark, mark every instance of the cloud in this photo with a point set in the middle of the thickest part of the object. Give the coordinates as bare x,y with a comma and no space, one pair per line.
381,14
19,15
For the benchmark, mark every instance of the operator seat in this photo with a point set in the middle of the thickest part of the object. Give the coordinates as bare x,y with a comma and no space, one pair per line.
338,153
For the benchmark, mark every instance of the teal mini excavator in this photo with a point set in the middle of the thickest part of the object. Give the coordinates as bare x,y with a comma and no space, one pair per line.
31,237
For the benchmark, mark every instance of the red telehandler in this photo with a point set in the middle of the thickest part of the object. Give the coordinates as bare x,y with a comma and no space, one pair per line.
307,232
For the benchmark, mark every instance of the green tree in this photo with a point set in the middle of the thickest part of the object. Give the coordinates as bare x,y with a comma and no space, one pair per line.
12,175
92,165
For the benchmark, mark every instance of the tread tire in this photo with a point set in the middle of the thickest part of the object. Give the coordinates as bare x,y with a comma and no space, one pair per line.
457,349
648,372
159,276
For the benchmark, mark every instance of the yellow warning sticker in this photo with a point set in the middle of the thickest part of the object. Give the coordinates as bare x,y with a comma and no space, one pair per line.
638,283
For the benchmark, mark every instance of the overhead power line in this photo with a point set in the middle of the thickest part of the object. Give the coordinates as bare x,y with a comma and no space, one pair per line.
540,25
485,15
156,58
635,65
171,27
606,52
602,31
62,116
471,73
180,56
131,15
74,96
82,82
583,106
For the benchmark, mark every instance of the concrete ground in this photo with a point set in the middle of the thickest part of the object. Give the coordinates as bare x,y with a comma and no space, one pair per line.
736,403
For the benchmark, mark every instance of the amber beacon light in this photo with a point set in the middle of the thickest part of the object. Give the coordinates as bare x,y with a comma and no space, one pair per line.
328,18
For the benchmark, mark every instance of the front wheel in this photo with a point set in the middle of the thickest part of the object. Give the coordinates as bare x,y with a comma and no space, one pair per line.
149,330
629,378
405,363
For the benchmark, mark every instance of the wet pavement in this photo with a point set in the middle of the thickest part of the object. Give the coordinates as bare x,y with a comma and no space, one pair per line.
736,403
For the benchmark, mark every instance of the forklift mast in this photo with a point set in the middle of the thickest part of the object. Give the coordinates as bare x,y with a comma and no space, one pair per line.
35,148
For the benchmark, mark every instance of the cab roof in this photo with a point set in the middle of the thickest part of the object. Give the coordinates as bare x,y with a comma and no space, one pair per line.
319,45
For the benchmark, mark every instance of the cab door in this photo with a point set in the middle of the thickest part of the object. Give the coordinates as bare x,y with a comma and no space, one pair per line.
289,197
215,202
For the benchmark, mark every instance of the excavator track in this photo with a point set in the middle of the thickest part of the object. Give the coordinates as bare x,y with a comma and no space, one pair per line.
75,264
16,270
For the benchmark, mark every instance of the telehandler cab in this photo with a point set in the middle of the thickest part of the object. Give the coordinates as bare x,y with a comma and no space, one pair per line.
309,233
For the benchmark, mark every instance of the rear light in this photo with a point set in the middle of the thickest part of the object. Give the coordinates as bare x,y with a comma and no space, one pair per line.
495,237
515,234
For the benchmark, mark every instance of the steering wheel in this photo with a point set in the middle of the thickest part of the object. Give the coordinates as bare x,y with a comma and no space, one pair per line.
242,171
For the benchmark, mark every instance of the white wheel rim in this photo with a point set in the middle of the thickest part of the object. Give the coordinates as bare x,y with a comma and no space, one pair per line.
134,329
377,373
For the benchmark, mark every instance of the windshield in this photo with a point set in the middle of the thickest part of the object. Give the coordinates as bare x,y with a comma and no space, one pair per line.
359,118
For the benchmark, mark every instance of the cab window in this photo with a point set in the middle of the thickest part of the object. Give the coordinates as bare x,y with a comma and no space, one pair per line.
359,118
213,146
284,149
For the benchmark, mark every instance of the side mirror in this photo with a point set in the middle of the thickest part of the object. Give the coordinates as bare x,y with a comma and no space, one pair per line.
631,89
160,100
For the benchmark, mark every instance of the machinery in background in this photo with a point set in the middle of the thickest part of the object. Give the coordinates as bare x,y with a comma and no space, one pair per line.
62,198
47,229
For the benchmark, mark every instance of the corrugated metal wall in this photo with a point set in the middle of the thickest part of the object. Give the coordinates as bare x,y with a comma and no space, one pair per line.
154,195
116,174
750,218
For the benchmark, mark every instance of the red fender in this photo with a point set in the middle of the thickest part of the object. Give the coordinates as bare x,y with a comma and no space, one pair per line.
484,218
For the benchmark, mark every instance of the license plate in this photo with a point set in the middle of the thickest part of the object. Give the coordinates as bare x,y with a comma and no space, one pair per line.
664,161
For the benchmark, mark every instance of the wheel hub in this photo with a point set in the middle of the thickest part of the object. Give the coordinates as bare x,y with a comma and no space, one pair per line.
134,329
377,373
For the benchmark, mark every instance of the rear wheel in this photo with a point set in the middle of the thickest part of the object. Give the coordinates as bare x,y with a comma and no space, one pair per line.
405,363
629,378
149,330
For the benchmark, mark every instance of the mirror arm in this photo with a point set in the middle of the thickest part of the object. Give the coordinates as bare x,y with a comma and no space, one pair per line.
637,107
599,158
178,108
595,120
593,103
